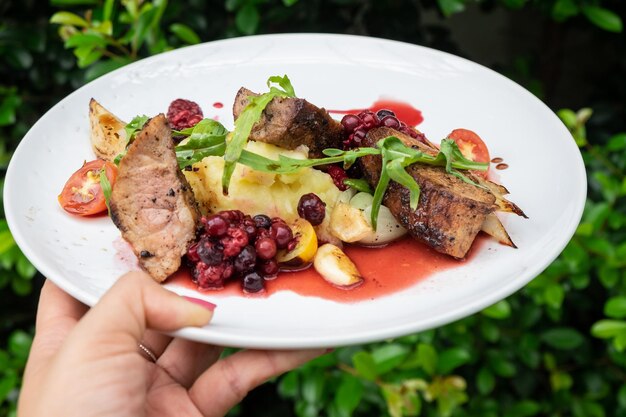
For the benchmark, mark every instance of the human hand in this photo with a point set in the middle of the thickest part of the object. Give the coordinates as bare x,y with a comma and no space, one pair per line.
87,362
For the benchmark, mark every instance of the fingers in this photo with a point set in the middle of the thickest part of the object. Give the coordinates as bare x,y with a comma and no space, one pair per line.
156,342
228,381
55,304
185,360
57,314
132,305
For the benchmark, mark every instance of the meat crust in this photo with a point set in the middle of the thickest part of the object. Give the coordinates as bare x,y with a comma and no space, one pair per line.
152,204
291,122
450,212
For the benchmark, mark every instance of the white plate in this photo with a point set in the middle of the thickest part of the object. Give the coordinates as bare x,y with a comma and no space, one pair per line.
546,177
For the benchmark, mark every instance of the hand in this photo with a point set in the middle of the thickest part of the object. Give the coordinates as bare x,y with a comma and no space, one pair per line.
87,363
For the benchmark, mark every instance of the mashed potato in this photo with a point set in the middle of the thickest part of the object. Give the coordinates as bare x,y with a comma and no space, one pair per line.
255,192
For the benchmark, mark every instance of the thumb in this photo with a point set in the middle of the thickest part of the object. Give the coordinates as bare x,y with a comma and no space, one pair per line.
136,303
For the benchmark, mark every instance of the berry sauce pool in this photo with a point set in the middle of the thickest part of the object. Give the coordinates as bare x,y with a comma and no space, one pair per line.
385,271
404,111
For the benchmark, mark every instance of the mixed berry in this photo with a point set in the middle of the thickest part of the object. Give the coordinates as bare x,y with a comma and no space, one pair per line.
312,209
183,114
233,245
356,126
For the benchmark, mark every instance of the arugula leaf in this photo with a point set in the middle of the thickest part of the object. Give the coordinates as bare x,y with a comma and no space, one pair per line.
135,126
106,188
207,138
358,184
397,156
248,117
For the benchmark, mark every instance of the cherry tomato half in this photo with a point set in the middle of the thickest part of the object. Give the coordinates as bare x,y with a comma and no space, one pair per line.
472,147
82,193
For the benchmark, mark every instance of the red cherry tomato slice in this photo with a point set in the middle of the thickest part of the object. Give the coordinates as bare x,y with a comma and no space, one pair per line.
82,193
472,147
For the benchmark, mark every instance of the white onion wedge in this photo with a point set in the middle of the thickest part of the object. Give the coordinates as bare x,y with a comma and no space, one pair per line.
335,266
388,229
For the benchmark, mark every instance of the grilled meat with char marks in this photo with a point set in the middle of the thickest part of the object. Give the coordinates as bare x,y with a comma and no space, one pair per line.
152,203
450,212
291,122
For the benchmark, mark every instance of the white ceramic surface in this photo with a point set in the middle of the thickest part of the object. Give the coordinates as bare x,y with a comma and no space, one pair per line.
546,177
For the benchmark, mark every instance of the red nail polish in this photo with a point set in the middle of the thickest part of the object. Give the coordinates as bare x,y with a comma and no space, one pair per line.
203,303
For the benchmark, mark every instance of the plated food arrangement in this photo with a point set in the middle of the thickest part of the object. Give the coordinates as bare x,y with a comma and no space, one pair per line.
289,188
407,285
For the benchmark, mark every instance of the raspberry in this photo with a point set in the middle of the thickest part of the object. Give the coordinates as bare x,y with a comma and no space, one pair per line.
234,241
209,277
183,114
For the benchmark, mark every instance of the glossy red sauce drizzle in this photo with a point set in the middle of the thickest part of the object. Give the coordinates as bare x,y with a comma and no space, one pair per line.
404,111
218,105
386,270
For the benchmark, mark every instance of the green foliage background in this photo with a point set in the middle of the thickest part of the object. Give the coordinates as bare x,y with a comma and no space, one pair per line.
556,348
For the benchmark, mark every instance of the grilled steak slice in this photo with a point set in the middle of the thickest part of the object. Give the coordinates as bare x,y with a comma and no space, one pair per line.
450,212
152,203
291,122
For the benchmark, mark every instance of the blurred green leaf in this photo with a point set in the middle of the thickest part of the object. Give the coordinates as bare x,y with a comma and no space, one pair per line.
449,7
389,357
365,365
560,381
247,19
563,338
8,382
603,18
526,408
312,387
485,381
452,358
564,9
289,385
184,33
500,310
8,108
68,18
617,142
86,39
348,394
19,344
605,329
615,307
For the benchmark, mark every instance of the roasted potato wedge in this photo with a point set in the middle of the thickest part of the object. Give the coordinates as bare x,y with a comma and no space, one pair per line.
108,138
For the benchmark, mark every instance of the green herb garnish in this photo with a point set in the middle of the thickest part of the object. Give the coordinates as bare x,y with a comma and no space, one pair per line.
134,126
248,117
397,157
207,138
358,184
106,188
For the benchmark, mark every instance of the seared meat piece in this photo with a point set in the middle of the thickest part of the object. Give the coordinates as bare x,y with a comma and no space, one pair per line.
152,203
291,122
450,212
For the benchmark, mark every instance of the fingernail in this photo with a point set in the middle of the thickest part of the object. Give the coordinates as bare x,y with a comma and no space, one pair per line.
203,303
